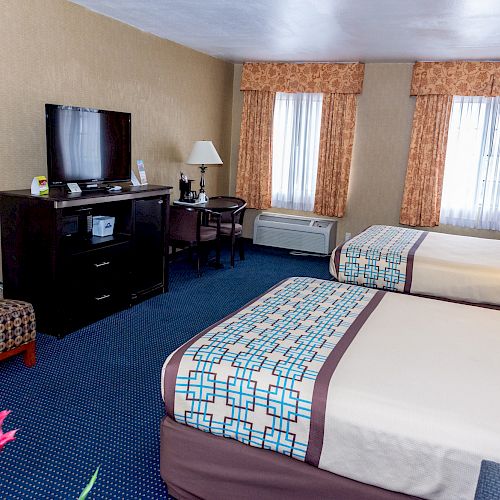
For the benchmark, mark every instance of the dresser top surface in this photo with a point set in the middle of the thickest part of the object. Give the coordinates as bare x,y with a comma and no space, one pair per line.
60,198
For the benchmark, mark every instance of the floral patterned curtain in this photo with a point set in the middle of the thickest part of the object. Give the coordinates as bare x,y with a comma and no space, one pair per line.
339,83
467,78
435,84
309,77
424,176
253,182
335,152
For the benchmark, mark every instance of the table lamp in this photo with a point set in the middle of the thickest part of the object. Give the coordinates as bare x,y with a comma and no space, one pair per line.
203,154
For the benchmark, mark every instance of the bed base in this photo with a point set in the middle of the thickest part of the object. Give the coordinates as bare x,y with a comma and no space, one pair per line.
196,464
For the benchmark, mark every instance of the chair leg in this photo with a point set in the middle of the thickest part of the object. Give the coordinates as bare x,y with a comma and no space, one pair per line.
241,248
217,252
29,355
233,241
198,259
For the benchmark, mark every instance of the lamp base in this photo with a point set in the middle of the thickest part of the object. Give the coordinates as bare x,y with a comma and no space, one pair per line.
202,197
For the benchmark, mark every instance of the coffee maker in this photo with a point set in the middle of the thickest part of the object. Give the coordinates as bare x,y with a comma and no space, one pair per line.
187,194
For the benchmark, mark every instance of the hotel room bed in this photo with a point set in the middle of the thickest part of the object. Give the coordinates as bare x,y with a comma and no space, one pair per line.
337,389
459,268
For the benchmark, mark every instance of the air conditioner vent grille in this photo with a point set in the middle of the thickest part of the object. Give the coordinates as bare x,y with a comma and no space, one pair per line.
306,234
289,220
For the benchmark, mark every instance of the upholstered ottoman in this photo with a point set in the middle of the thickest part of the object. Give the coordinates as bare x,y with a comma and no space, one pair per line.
17,330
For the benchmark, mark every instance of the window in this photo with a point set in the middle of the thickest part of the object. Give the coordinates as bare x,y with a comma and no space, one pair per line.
471,185
296,130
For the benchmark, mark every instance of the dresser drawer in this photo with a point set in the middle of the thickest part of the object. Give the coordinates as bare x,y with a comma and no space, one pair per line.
97,282
103,301
102,263
96,298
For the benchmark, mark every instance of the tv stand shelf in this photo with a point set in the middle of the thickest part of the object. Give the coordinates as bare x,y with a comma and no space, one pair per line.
96,242
71,277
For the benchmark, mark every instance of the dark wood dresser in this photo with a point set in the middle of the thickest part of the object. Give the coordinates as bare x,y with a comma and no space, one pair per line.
51,259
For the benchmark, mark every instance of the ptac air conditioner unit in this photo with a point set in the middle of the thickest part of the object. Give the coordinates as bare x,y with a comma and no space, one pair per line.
305,234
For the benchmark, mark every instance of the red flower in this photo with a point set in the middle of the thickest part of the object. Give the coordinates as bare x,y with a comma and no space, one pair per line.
5,437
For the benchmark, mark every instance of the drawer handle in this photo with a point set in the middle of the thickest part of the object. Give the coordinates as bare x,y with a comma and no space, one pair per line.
105,263
103,297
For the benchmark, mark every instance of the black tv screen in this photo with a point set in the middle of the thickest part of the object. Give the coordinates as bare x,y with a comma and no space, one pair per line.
87,145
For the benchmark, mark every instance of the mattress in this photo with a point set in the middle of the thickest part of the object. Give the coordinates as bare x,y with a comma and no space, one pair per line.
459,268
391,390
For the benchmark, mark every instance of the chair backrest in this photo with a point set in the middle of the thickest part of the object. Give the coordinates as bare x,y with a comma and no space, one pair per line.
238,213
183,224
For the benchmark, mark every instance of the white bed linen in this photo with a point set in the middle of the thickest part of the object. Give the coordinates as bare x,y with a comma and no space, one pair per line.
414,404
458,267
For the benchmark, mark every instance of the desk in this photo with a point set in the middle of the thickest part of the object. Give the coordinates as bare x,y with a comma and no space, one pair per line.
215,204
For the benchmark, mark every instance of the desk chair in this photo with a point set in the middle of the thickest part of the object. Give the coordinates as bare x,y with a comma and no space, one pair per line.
231,225
186,230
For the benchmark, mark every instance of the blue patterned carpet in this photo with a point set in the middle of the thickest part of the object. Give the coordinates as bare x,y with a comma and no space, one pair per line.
94,396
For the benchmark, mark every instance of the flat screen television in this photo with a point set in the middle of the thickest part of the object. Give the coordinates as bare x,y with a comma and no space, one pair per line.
87,145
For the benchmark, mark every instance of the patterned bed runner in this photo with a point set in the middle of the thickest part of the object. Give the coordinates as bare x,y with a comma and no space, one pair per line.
261,376
379,257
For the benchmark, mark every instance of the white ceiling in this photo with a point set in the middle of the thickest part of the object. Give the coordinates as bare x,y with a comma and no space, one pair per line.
319,30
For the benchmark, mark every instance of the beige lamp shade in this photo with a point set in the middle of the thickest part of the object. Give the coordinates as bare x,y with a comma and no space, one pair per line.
204,153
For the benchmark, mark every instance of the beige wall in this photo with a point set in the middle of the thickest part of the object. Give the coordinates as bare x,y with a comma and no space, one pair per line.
56,52
380,154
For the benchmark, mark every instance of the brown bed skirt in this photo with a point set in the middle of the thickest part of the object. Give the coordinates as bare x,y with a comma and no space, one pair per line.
196,464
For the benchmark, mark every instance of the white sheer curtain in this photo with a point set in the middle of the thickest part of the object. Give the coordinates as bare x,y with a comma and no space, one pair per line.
471,194
296,128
